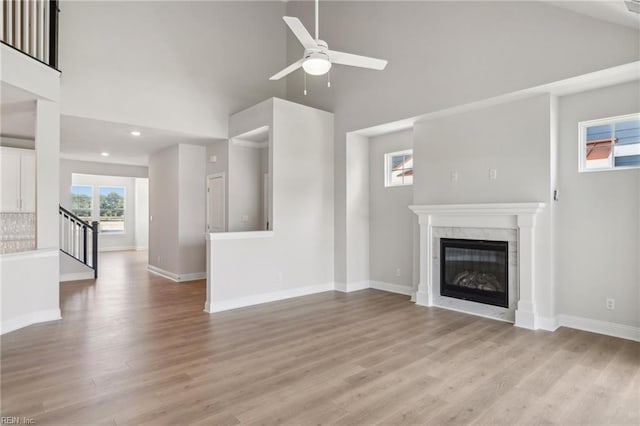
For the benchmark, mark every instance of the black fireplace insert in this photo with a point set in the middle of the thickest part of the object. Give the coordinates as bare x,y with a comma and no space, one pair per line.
475,270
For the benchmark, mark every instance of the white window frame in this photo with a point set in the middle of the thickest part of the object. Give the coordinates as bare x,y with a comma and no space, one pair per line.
388,168
582,142
124,209
92,198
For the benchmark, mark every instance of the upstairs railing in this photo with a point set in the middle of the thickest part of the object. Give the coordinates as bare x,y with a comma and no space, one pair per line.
79,239
31,26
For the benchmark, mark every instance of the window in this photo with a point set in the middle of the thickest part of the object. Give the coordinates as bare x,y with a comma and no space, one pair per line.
398,168
112,209
82,201
610,143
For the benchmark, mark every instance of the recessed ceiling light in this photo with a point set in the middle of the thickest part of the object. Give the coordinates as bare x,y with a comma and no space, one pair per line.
135,133
104,154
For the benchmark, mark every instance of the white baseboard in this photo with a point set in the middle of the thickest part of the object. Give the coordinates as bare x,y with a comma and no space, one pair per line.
177,277
241,302
391,288
13,324
120,248
601,327
349,287
545,323
76,276
142,248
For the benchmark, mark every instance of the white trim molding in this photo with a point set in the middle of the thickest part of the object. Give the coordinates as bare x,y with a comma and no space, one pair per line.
257,299
622,331
349,287
213,236
31,318
179,278
77,276
520,216
391,287
116,248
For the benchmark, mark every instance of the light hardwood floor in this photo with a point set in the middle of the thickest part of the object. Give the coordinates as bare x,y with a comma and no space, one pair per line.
135,348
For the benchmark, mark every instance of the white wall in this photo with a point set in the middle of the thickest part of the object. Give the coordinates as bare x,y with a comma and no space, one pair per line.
515,139
192,210
163,210
142,213
177,199
245,188
30,290
598,218
442,54
180,65
297,257
358,214
391,228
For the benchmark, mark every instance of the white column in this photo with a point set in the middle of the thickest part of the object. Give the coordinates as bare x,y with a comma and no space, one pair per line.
526,310
424,296
47,138
209,302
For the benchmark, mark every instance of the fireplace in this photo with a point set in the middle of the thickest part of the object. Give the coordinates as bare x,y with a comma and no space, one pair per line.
475,270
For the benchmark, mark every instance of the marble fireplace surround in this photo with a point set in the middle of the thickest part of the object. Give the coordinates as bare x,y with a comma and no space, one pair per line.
517,216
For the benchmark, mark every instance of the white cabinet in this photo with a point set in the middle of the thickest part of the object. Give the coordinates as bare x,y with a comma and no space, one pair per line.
18,184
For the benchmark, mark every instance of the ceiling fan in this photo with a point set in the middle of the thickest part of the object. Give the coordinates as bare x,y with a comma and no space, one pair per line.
317,58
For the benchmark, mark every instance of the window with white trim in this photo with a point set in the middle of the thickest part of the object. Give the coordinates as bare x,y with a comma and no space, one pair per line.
609,143
112,208
398,168
82,201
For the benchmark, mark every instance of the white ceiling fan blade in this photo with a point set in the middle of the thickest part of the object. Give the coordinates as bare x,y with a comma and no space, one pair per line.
288,70
356,60
300,32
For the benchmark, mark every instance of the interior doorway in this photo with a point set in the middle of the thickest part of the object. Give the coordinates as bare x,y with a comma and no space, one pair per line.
216,203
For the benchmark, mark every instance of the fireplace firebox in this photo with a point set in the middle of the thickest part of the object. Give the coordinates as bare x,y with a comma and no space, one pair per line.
475,270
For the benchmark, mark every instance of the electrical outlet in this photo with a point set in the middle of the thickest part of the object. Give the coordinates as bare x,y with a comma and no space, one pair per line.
244,218
611,304
493,174
397,272
454,176
280,277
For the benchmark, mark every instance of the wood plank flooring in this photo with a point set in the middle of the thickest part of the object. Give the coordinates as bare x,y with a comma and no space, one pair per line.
135,348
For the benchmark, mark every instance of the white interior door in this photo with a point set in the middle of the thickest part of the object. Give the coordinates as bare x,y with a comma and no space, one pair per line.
215,203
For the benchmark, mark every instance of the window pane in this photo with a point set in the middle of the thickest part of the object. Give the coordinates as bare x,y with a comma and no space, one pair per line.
599,132
398,168
396,161
81,200
628,132
112,209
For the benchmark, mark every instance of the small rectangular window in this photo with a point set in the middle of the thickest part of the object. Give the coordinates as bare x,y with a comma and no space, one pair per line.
610,143
398,168
82,201
112,209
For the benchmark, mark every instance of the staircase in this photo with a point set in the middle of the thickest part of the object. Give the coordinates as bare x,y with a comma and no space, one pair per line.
79,239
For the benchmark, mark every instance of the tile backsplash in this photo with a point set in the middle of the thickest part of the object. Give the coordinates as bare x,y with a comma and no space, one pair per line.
17,232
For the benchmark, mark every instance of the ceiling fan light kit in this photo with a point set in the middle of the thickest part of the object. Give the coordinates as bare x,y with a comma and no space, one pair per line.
317,58
316,64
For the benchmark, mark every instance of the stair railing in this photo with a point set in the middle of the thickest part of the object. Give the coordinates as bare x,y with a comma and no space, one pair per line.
31,26
77,236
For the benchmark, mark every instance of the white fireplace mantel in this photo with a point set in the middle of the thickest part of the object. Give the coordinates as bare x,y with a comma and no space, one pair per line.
519,216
